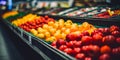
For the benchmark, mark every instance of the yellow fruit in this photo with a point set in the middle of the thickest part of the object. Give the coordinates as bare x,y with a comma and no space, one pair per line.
86,25
57,35
52,31
45,26
51,39
77,32
11,13
34,32
29,17
63,36
75,24
47,34
39,29
50,27
58,31
51,23
41,35
56,25
69,21
61,20
67,31
74,28
67,25
63,29
61,25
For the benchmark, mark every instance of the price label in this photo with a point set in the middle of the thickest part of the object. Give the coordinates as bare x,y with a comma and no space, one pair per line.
30,40
21,33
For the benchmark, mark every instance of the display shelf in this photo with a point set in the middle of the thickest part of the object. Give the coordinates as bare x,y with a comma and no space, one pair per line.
45,49
40,46
94,21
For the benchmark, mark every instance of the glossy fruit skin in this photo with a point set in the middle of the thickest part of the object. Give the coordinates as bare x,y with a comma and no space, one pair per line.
97,31
80,56
106,31
53,43
85,33
60,42
91,50
68,51
116,33
70,37
86,39
73,36
78,44
114,28
76,51
97,39
109,39
35,23
88,58
70,44
105,49
101,29
62,47
118,40
116,51
104,57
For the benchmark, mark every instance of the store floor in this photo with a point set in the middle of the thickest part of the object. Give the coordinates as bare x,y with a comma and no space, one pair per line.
7,50
12,48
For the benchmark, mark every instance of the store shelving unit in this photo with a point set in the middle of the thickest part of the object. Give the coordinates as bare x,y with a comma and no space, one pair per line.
46,50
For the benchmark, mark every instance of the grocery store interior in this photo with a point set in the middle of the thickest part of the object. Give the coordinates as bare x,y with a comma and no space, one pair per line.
59,29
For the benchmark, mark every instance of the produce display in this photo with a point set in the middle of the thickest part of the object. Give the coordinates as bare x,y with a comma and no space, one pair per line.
92,12
108,14
56,11
11,13
101,44
33,22
83,12
83,41
51,11
80,11
49,29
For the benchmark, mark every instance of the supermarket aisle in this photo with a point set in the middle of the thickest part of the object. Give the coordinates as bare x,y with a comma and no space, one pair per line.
7,50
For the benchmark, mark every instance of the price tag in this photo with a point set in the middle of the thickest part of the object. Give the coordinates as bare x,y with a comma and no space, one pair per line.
21,33
30,40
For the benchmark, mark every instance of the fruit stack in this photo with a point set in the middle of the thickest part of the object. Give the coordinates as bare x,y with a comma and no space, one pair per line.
83,12
59,29
94,12
7,14
101,44
49,29
31,21
108,14
52,11
80,11
82,41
